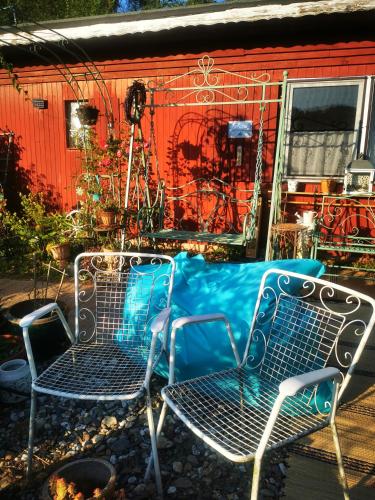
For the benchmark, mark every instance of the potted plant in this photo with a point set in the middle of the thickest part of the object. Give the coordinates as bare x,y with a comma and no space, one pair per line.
86,478
59,249
106,213
87,114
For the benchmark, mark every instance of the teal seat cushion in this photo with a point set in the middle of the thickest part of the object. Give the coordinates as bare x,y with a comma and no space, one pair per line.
228,288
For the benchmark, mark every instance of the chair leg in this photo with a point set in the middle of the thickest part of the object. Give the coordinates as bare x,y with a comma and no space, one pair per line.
256,477
31,434
163,414
154,447
340,464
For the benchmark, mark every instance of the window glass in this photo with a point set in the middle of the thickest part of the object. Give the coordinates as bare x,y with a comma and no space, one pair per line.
324,108
74,130
322,127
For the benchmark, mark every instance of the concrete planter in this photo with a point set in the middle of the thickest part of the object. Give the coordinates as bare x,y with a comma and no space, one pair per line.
15,378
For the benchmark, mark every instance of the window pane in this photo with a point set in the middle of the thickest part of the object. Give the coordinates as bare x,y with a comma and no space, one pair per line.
73,125
323,128
316,109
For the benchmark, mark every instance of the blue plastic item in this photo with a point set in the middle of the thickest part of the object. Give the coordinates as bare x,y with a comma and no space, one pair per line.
228,288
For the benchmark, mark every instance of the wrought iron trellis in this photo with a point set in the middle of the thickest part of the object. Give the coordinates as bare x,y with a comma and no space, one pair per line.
207,89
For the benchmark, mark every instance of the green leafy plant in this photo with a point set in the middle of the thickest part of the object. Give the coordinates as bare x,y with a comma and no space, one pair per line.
27,234
8,67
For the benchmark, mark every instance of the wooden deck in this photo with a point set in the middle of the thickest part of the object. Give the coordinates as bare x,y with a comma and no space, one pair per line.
312,472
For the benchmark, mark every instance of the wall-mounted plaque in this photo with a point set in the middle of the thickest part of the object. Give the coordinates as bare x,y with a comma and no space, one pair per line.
240,129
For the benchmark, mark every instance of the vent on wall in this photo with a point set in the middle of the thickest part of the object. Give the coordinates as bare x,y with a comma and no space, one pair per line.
40,103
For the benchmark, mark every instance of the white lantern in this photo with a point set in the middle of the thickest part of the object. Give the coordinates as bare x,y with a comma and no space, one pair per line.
359,177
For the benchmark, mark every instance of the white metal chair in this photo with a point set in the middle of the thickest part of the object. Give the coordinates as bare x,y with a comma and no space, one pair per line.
122,304
281,390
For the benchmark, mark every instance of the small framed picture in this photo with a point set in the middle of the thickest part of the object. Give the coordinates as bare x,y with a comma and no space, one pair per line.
240,129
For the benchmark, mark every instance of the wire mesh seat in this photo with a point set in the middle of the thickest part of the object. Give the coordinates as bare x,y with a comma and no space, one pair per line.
122,305
95,371
281,389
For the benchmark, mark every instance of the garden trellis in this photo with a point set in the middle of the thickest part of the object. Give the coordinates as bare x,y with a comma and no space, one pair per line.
208,85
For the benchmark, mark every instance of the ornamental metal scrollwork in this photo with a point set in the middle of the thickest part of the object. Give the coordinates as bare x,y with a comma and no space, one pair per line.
207,86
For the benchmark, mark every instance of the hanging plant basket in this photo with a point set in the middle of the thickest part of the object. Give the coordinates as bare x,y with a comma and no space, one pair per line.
87,115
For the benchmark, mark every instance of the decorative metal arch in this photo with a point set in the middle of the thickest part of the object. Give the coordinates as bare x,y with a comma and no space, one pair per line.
206,88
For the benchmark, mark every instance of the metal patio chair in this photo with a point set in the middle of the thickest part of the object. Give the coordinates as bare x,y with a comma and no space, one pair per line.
281,390
122,304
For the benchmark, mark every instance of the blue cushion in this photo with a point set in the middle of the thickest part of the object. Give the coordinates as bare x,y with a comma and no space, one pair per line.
229,288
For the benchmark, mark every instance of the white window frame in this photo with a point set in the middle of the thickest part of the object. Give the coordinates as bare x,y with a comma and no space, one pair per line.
368,107
360,126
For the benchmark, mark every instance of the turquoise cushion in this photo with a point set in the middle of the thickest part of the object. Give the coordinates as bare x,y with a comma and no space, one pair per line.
229,288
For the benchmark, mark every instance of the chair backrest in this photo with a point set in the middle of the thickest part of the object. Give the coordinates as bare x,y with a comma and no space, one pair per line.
302,324
118,294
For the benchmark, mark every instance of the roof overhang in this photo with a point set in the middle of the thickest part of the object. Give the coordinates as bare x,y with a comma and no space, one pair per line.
171,19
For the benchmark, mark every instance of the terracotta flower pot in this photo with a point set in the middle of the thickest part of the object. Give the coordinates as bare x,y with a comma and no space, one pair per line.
106,218
60,251
327,186
87,474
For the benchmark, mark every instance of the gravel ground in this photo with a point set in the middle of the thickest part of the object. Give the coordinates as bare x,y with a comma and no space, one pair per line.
119,433
68,429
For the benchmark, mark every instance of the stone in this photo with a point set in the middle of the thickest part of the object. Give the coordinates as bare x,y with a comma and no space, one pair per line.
97,438
193,460
171,490
120,445
177,467
109,422
140,490
132,480
164,443
183,482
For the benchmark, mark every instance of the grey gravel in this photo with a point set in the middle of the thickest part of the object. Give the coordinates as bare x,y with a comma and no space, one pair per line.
119,433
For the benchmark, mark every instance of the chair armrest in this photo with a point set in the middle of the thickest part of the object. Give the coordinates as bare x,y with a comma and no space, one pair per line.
189,320
29,319
203,318
160,322
292,385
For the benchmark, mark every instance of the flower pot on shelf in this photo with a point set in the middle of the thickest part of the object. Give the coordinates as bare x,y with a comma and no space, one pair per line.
59,251
327,186
106,217
15,381
87,115
87,475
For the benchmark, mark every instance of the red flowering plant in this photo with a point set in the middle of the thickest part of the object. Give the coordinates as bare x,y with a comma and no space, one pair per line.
105,163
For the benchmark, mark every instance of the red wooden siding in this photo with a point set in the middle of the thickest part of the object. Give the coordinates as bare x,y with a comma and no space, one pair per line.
185,139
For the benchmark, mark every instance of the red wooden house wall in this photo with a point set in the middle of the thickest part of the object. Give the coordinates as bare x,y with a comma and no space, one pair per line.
41,134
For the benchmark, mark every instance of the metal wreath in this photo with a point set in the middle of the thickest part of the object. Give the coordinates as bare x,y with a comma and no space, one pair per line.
135,101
